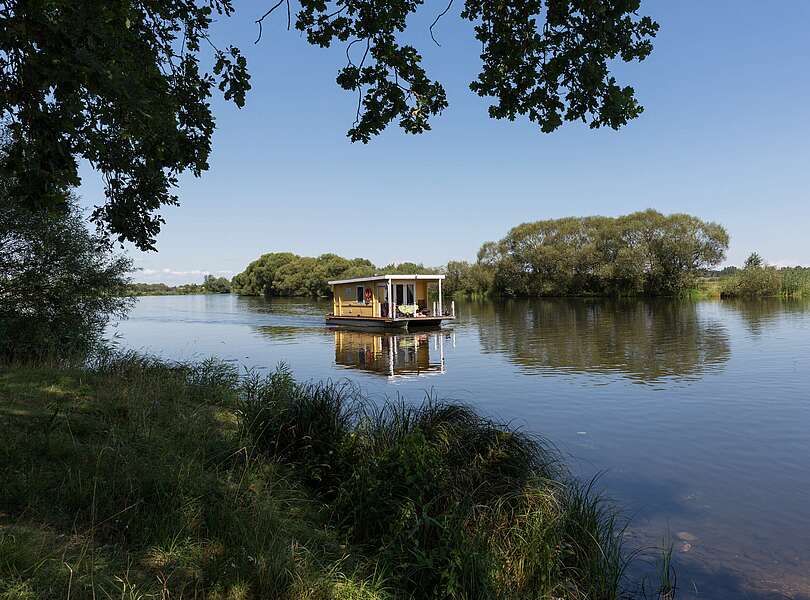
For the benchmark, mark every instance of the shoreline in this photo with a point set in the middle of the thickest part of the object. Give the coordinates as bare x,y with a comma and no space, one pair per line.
168,472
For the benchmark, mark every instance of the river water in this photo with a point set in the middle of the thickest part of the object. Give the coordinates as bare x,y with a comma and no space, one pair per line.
695,415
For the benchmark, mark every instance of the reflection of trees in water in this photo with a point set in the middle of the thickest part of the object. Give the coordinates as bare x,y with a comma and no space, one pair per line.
290,332
644,340
759,313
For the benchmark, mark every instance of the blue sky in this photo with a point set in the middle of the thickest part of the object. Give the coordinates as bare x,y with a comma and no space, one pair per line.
725,136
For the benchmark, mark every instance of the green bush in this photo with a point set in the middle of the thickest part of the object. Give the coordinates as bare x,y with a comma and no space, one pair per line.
305,425
216,285
59,284
755,280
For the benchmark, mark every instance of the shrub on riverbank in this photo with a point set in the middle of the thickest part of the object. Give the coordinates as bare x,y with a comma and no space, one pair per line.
759,280
133,478
463,506
59,283
795,282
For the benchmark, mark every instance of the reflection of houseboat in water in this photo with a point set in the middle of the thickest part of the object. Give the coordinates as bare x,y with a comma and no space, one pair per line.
392,354
388,302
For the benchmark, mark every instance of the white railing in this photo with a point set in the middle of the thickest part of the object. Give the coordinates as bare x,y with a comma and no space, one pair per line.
438,309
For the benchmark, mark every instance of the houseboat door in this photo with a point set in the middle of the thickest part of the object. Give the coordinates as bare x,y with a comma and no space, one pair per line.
405,293
382,299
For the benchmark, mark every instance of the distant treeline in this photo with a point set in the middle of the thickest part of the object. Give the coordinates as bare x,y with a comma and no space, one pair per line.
643,253
287,274
210,285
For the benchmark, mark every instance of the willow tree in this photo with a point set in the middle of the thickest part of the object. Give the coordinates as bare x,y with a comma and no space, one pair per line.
59,284
126,84
644,252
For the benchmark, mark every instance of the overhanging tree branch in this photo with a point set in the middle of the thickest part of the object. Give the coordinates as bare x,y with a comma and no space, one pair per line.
436,20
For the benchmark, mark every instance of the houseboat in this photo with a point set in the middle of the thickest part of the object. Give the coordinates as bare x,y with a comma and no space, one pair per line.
388,302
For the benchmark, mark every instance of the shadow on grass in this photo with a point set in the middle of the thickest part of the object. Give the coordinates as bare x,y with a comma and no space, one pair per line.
37,392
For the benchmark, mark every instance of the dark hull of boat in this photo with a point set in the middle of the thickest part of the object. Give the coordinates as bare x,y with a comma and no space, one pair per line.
401,324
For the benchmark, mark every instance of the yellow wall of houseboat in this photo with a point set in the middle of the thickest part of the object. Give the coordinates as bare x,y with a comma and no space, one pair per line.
343,306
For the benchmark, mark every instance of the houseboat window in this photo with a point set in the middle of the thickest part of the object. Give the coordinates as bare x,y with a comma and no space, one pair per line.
404,293
348,294
360,298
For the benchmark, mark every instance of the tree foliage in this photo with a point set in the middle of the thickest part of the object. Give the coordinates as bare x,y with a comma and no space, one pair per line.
469,279
126,84
162,289
641,253
758,279
216,285
117,83
546,60
754,261
59,284
287,274
408,267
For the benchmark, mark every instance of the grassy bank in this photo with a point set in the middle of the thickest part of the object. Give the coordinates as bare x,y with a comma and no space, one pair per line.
136,479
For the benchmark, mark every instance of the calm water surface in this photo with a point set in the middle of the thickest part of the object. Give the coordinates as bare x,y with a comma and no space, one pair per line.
696,414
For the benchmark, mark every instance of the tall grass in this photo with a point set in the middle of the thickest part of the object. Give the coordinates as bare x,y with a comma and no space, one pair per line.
795,282
667,577
455,505
129,479
134,478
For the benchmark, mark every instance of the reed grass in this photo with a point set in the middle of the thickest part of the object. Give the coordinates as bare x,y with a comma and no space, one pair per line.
667,576
795,282
132,478
455,505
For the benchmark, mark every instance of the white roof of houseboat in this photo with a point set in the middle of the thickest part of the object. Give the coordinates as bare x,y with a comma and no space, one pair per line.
384,278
